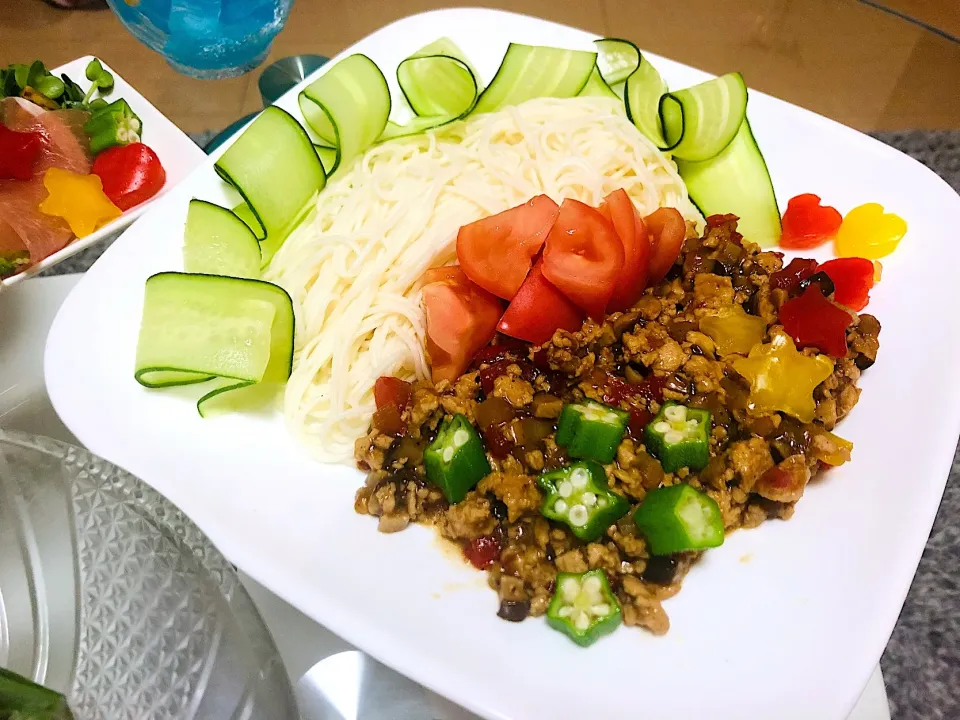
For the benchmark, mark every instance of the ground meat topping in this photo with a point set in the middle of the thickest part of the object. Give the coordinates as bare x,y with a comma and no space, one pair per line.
759,464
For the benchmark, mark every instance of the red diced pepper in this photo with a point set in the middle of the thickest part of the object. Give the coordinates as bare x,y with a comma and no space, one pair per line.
482,552
639,419
19,152
813,321
131,174
506,347
489,374
792,275
808,224
392,396
852,279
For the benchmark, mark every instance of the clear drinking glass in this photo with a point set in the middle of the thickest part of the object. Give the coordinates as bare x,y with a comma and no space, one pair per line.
110,595
208,39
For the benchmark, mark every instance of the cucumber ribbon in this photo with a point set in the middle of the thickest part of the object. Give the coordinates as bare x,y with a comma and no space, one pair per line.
705,129
198,328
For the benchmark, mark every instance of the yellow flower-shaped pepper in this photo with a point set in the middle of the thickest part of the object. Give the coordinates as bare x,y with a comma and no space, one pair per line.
868,232
78,199
783,379
733,330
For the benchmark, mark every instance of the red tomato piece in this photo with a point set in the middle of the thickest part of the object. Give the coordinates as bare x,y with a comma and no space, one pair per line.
388,390
497,252
538,310
461,318
131,174
808,224
583,257
813,321
852,279
619,210
667,230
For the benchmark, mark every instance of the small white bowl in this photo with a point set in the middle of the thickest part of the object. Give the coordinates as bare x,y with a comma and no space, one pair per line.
178,153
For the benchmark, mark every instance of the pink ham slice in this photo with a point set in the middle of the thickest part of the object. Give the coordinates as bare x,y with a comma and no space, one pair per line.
22,225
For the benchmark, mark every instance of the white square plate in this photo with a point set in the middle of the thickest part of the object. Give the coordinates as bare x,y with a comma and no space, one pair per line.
177,152
786,621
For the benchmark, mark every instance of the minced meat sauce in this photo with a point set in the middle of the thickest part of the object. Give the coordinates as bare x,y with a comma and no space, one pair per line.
636,360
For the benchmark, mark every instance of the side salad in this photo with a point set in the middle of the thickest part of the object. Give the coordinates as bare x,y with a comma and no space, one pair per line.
71,161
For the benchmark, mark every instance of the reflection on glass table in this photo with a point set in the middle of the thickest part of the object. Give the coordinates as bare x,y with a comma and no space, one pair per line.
113,597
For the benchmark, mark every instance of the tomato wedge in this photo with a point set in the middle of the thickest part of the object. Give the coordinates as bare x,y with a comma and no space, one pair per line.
538,310
497,252
667,232
461,318
619,209
583,257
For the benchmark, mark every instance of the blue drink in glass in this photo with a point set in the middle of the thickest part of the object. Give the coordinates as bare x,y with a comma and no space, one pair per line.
206,38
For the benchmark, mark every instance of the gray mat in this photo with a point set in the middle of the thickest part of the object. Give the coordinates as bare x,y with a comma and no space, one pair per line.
921,664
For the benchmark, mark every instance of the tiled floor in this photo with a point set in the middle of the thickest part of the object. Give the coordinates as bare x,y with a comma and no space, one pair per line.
841,58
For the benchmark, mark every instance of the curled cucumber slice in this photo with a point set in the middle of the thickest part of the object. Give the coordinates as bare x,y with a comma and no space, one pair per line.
529,71
616,59
196,328
621,61
347,107
641,95
438,80
701,121
275,168
736,181
217,242
440,86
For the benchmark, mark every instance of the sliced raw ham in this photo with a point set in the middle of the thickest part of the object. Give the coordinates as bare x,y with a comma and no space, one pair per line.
23,226
67,145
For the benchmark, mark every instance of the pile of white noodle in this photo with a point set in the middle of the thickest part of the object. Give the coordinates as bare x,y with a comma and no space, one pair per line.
353,266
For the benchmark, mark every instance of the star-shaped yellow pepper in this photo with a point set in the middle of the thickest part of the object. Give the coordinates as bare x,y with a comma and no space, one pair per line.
733,330
783,379
78,199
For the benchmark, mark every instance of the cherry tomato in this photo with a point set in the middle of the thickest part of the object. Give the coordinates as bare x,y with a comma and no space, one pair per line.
619,210
538,310
131,174
497,252
667,231
583,257
461,318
